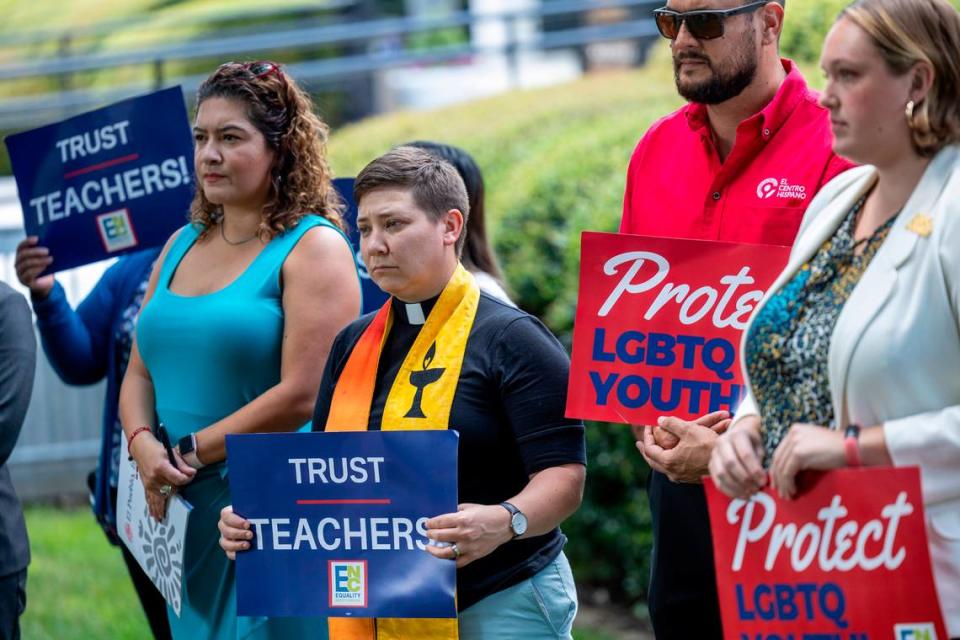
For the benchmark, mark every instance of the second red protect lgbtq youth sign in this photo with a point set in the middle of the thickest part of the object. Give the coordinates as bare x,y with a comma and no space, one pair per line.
846,558
658,325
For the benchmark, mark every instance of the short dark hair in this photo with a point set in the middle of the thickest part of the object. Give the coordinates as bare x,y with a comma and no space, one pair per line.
434,183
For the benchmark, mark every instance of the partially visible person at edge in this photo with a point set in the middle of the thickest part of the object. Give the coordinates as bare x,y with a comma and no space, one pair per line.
243,304
18,358
85,346
853,356
521,462
701,173
477,256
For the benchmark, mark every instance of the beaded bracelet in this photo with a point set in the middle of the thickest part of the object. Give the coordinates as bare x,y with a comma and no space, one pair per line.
132,436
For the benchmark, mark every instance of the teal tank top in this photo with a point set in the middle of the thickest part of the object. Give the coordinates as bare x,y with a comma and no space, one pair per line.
210,355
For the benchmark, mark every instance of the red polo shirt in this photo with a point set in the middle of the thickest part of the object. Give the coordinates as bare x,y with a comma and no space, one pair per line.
677,186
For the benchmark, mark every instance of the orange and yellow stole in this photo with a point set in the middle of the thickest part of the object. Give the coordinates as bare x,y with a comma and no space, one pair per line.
440,345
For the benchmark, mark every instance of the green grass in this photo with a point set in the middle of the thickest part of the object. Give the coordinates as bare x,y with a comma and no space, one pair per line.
586,634
78,588
77,584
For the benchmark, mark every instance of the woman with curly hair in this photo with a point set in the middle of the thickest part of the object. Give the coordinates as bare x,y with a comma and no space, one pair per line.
238,318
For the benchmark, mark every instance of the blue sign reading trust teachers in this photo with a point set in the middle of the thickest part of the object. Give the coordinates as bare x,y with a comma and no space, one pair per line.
339,523
107,182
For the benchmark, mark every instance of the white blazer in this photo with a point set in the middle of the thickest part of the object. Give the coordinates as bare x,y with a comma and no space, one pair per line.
895,351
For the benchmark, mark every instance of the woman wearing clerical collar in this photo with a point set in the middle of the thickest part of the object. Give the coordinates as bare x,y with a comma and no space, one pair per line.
502,386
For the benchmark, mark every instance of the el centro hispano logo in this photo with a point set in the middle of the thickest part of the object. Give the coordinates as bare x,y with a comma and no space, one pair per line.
348,583
767,188
781,188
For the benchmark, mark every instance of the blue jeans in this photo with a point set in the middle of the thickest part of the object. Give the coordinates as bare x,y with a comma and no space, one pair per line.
539,608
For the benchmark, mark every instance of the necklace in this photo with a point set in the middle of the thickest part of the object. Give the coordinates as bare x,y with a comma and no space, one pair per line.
223,234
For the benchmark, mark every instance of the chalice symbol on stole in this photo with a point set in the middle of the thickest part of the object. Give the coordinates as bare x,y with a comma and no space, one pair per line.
421,380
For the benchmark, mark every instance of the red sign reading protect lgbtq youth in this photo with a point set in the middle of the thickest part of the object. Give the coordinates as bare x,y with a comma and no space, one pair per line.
846,559
658,325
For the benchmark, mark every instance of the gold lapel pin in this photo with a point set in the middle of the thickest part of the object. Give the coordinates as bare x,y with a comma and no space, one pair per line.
921,224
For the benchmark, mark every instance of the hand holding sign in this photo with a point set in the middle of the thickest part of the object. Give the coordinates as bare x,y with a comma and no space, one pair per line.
156,472
476,529
735,465
30,262
235,533
806,446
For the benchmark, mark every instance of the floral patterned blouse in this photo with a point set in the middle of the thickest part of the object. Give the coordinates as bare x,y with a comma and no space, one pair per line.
789,341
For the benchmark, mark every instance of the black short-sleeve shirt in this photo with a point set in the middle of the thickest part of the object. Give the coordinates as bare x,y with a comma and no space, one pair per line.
508,409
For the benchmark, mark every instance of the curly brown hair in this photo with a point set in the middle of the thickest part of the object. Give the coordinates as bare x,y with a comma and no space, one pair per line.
301,180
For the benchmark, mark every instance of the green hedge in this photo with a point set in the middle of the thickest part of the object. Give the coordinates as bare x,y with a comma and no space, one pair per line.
806,25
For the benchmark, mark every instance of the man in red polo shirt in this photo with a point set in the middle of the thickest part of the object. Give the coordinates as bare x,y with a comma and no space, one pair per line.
739,163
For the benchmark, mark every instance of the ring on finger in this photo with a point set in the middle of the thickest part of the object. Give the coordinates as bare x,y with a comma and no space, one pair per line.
456,550
166,490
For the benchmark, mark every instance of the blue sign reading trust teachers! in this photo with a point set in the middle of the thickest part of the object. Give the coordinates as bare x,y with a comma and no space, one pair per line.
339,523
107,182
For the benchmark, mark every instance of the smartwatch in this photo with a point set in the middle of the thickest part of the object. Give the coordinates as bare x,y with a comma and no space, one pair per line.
188,451
518,521
851,446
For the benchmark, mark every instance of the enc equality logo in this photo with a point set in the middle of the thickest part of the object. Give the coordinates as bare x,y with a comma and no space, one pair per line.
781,189
348,583
915,631
116,231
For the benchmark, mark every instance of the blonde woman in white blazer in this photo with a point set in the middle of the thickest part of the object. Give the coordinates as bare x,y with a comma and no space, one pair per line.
885,375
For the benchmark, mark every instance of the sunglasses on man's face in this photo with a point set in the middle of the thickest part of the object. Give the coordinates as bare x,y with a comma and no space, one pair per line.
703,24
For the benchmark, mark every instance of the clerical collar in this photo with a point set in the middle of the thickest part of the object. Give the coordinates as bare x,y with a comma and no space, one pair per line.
413,313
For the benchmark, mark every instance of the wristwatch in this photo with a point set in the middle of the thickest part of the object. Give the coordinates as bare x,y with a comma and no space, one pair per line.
851,445
518,521
188,451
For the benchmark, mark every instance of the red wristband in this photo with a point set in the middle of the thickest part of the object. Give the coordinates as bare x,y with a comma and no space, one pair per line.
851,446
134,435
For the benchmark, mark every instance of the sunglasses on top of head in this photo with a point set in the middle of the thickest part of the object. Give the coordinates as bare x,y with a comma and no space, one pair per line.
703,24
259,68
